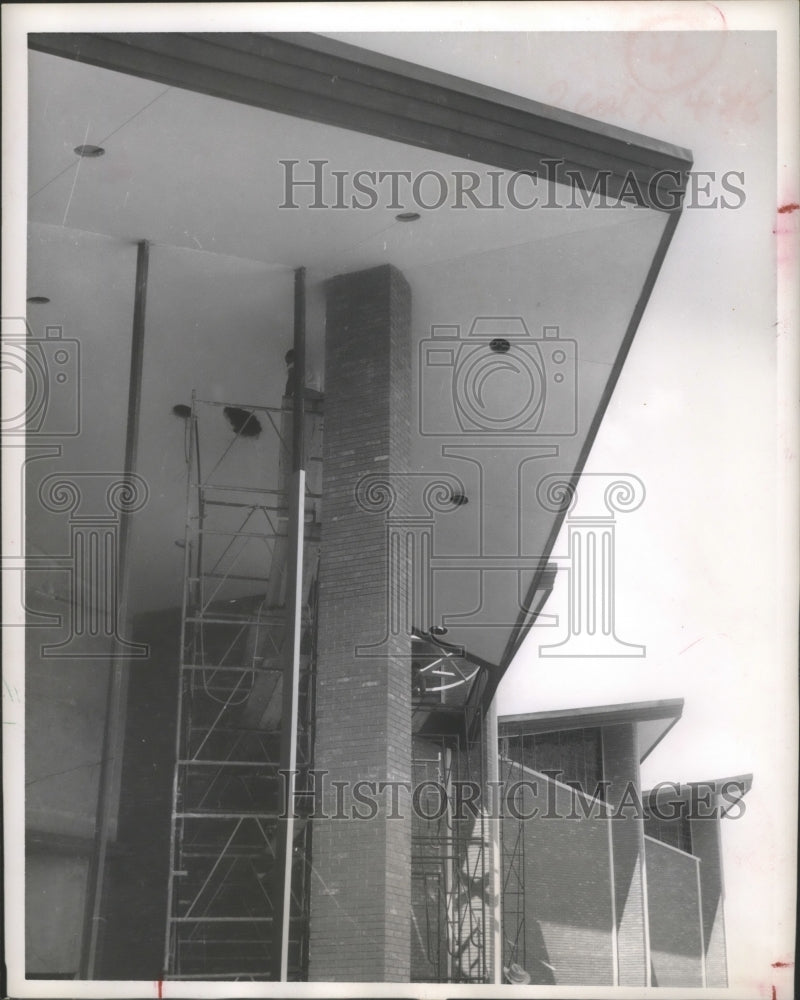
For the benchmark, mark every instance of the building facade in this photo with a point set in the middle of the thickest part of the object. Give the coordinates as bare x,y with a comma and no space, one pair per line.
607,883
275,628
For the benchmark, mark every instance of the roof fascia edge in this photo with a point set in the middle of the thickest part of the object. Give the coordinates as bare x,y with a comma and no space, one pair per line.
335,83
602,715
653,150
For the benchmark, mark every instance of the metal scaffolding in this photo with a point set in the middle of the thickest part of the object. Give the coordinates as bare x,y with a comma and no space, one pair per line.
227,857
451,857
513,859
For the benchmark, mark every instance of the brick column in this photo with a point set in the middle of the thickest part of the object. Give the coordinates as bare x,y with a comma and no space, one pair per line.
621,769
361,891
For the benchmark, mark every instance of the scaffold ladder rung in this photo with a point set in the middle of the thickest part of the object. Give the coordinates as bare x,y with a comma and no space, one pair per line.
227,823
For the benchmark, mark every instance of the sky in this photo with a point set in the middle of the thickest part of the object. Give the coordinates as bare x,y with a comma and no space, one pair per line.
706,567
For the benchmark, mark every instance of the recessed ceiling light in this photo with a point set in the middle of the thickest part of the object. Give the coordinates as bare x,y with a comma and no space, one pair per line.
38,300
89,151
407,217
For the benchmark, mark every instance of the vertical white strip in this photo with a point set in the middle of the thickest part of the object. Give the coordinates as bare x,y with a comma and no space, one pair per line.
297,625
700,918
614,944
449,876
643,868
612,881
718,926
645,905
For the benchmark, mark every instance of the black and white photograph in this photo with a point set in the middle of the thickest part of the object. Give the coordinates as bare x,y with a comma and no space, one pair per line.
400,499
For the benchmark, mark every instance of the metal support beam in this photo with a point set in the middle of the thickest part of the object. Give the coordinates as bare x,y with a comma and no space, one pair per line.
117,681
288,754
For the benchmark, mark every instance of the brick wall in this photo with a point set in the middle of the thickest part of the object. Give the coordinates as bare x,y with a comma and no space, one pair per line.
621,769
568,890
360,906
674,911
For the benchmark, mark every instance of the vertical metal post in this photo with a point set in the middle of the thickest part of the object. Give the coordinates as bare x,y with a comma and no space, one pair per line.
294,608
648,968
700,916
483,956
450,876
118,674
171,956
612,882
493,767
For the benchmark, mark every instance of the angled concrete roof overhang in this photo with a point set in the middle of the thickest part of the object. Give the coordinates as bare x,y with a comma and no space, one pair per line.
726,792
325,80
652,719
339,86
